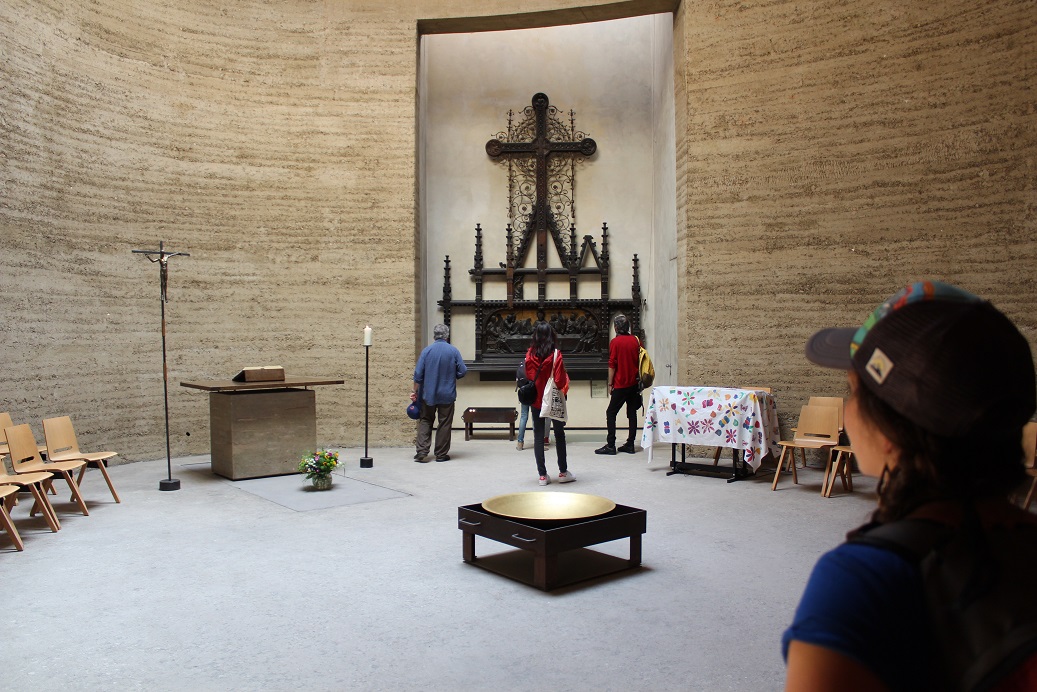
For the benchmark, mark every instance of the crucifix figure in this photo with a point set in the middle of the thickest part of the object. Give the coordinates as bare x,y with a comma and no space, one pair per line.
162,256
540,147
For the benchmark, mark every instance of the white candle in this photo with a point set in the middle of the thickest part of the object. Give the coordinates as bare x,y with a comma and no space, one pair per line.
367,335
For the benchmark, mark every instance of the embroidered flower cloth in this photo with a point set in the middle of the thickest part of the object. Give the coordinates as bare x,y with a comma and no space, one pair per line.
744,419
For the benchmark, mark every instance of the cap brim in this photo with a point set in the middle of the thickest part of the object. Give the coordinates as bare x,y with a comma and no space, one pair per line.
830,348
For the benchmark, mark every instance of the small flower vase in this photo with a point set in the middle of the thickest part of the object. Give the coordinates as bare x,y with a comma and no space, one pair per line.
322,482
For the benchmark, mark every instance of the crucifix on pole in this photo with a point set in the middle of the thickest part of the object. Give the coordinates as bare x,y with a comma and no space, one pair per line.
162,257
540,148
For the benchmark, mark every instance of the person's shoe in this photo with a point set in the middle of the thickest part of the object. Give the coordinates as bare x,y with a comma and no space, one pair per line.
547,443
606,449
420,458
518,445
628,448
544,480
566,477
445,457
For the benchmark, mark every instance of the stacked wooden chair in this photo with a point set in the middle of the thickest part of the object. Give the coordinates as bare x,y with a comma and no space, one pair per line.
62,446
818,428
25,458
29,470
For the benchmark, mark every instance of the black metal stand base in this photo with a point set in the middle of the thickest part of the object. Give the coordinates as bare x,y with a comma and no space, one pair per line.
169,484
366,462
690,468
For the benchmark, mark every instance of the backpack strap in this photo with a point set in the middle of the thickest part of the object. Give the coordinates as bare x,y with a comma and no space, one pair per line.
911,539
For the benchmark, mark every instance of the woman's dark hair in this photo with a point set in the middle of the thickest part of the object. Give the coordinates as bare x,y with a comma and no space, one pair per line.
543,339
932,468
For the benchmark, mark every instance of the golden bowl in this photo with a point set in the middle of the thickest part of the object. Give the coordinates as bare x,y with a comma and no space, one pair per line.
548,506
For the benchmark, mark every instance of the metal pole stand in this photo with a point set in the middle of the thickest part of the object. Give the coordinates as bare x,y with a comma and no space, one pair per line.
162,257
366,461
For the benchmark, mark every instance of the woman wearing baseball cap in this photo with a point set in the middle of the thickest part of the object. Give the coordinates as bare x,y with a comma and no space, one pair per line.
941,384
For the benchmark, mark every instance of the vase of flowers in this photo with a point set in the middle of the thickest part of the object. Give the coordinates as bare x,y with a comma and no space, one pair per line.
318,467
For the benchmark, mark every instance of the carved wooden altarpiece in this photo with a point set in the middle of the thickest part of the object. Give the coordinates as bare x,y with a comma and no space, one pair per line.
541,153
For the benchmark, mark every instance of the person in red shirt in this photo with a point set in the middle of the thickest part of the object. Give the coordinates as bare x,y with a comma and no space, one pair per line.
624,385
543,352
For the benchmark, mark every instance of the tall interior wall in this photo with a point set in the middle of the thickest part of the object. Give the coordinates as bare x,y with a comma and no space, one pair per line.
832,153
826,154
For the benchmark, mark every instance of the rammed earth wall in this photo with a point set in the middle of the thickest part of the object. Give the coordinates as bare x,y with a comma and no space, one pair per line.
827,152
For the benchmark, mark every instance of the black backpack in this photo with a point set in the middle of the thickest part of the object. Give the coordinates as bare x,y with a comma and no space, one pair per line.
527,389
978,590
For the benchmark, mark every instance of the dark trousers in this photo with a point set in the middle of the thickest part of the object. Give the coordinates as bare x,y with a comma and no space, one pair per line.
632,398
446,418
539,432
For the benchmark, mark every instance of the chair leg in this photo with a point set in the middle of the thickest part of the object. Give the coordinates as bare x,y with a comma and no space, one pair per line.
1029,496
777,469
826,484
9,526
76,495
781,463
107,479
44,506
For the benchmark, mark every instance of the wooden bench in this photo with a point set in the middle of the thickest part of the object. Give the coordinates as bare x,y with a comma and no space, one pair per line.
488,414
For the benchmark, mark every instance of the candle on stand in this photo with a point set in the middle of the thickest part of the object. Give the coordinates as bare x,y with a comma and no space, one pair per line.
366,461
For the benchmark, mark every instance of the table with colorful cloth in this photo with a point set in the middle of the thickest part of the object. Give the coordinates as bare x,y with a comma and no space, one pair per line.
745,420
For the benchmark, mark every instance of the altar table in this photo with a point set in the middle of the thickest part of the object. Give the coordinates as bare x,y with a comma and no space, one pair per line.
741,419
261,429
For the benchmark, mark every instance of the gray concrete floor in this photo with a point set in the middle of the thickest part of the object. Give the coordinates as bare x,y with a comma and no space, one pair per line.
215,587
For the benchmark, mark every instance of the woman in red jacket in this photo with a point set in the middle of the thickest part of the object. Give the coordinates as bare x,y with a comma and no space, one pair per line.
542,352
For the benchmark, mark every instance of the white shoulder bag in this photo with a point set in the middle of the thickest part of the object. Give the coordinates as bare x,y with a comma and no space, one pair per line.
553,405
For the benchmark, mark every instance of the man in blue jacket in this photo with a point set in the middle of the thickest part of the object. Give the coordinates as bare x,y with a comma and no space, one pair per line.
439,368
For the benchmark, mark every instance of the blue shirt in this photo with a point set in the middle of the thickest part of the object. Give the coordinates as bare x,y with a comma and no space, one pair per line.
867,604
439,367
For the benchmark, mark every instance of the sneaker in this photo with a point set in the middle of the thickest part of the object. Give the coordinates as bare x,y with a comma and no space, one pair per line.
607,449
518,445
628,448
445,457
547,443
544,480
566,477
420,458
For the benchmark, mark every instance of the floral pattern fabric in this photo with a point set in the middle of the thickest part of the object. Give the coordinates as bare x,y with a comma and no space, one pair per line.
744,419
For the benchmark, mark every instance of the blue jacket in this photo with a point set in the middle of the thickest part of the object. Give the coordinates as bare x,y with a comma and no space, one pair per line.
439,367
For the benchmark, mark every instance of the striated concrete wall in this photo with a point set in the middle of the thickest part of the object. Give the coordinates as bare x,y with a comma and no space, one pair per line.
833,152
826,153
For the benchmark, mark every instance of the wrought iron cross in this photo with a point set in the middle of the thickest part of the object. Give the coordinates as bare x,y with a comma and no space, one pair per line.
541,147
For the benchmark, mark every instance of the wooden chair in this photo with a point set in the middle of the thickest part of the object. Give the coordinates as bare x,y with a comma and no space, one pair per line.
6,493
841,466
1030,459
34,482
834,401
818,428
62,446
5,423
25,458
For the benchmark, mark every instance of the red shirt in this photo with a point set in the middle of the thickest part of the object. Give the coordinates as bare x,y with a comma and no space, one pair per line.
561,376
623,352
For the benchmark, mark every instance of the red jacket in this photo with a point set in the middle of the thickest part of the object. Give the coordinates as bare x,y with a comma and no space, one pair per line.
623,352
561,377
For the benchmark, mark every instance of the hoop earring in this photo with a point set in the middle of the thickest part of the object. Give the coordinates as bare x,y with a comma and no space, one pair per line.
883,483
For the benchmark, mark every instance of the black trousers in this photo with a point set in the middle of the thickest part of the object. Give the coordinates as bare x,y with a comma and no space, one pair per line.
632,398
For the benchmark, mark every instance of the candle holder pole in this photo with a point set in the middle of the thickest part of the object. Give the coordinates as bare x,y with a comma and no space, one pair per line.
366,461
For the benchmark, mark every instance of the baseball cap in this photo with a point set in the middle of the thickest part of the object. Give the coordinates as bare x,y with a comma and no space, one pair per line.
945,359
414,410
